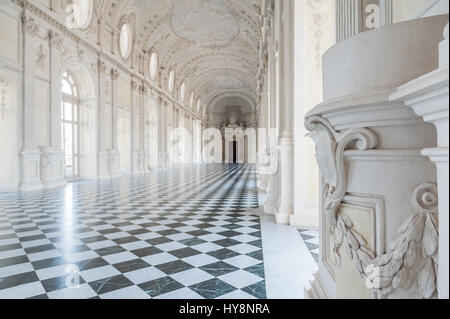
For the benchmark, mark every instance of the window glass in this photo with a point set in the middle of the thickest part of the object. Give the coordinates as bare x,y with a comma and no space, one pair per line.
191,101
82,13
171,81
153,65
125,41
182,92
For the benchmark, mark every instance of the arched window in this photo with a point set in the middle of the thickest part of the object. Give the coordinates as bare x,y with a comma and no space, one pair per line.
191,99
171,81
82,13
199,103
153,65
125,41
182,92
70,125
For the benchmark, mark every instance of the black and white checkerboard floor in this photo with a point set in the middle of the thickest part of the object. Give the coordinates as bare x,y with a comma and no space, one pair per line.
311,240
180,233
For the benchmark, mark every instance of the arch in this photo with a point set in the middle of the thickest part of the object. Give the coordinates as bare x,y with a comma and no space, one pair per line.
217,98
87,94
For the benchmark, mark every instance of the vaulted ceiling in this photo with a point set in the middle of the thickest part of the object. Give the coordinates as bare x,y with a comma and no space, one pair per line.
212,45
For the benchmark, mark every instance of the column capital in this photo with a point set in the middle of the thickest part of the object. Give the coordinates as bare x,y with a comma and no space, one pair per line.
29,25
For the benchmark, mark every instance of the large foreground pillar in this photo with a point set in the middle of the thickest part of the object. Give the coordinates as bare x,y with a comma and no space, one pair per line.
428,97
380,203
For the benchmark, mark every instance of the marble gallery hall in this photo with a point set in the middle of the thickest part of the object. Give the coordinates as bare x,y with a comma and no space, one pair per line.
224,149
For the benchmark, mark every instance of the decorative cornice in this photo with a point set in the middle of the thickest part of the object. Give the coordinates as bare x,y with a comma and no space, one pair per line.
29,26
32,28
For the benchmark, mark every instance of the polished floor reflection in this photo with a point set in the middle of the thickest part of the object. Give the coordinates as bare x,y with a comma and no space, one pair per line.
180,233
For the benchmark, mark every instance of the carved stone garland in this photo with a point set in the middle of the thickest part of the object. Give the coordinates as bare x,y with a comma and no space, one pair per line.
413,261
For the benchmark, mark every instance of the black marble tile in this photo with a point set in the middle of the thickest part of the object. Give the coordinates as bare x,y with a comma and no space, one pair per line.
256,270
93,239
91,263
13,261
139,231
48,263
168,232
227,242
229,233
257,290
219,268
131,265
158,241
147,251
212,288
184,252
38,249
10,247
223,254
61,282
16,280
174,267
258,254
126,240
110,250
192,241
31,238
110,284
160,286
256,243
198,233
109,231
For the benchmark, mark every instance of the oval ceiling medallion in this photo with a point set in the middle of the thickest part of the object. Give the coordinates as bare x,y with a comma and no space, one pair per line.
206,23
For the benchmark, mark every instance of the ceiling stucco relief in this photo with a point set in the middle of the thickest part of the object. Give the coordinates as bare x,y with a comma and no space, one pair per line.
207,23
211,45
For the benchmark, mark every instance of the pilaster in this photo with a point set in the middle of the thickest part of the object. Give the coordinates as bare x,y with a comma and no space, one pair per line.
102,155
30,154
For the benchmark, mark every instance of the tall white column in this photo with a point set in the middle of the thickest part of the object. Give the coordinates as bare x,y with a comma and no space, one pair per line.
103,158
286,146
52,156
30,154
114,154
134,106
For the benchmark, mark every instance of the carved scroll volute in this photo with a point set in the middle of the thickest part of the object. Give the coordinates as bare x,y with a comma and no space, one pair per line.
330,148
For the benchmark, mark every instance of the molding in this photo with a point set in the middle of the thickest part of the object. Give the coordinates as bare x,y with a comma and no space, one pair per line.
33,29
412,263
330,148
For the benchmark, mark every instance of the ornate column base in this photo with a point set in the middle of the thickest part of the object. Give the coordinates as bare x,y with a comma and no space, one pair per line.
273,194
30,170
286,203
319,289
52,167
